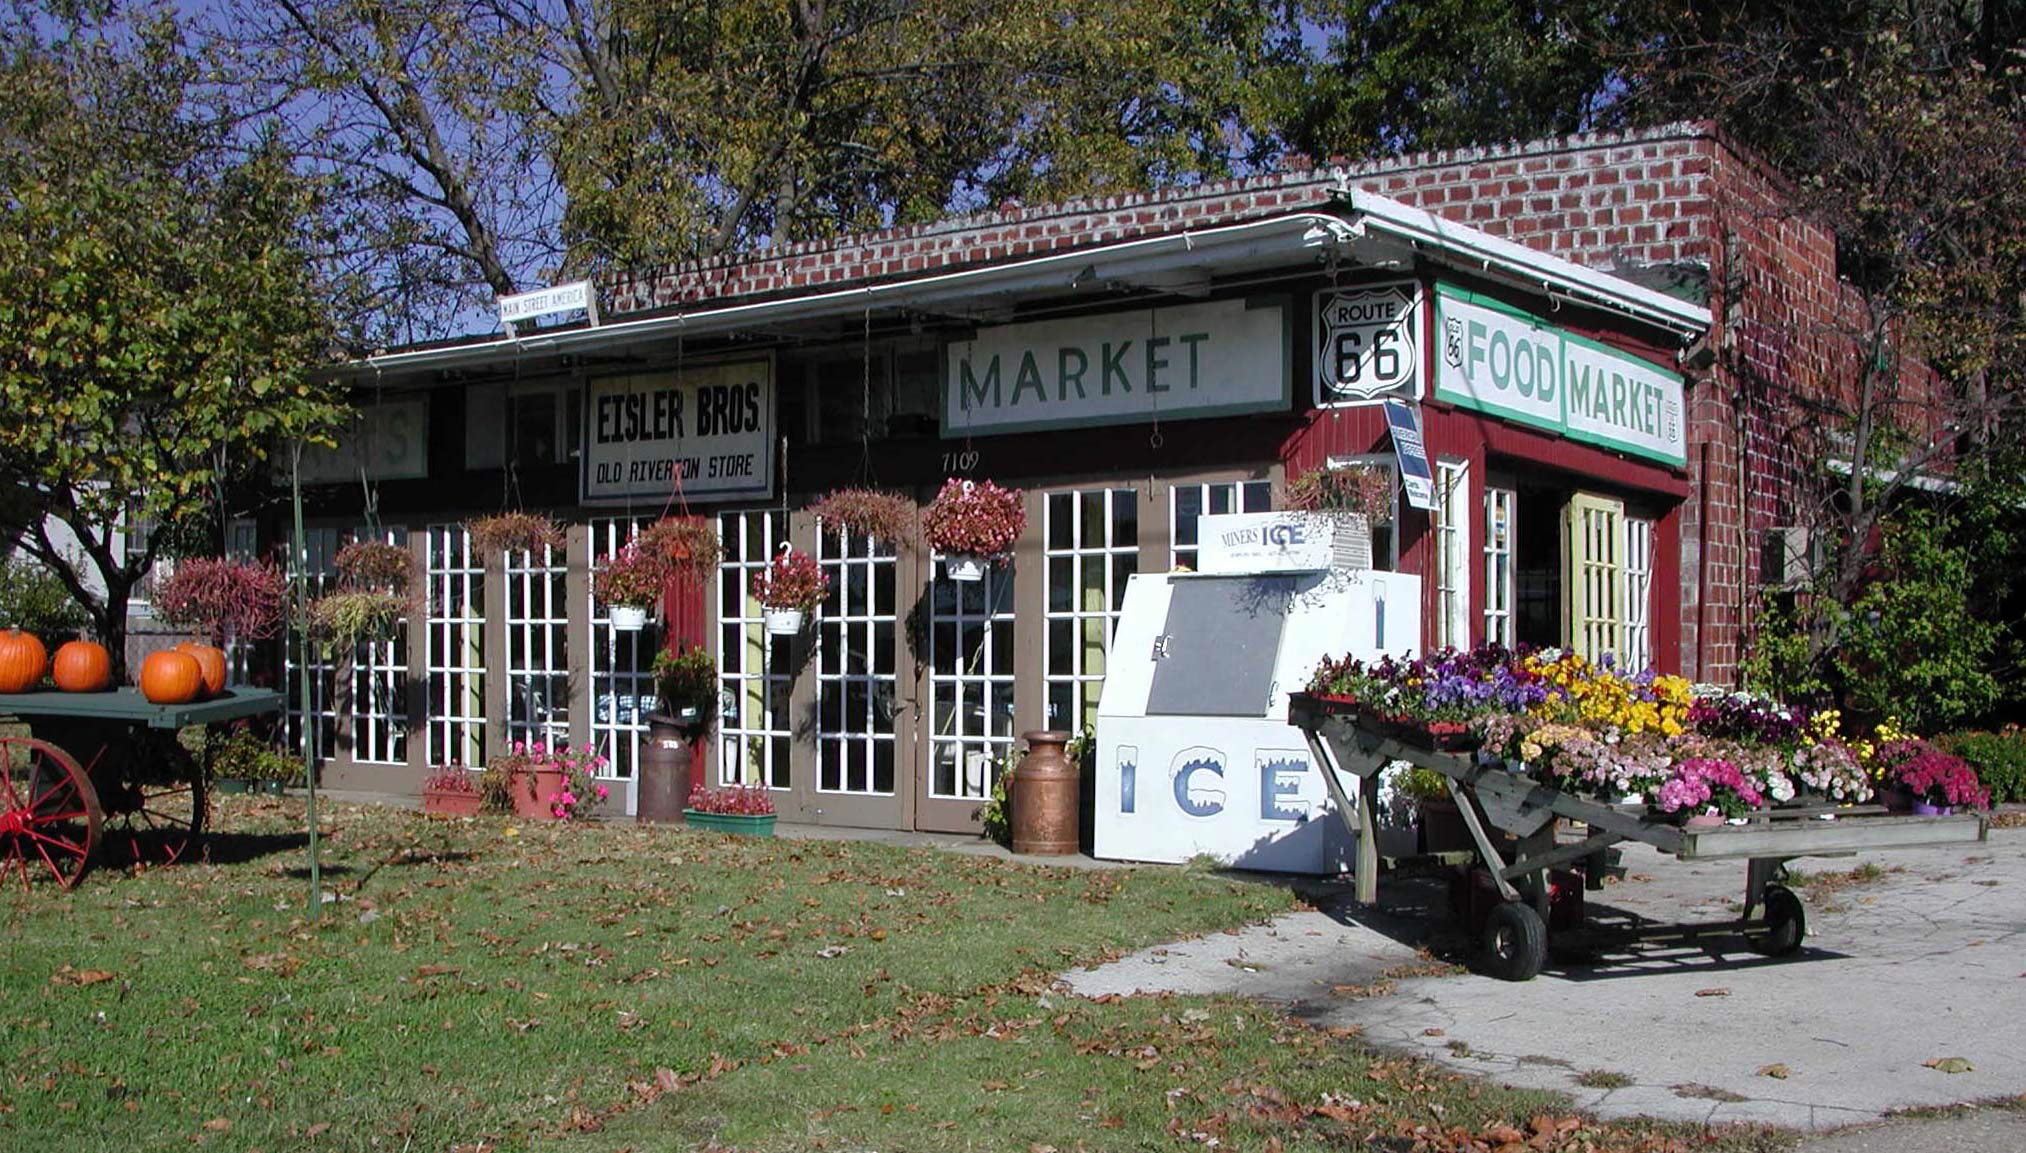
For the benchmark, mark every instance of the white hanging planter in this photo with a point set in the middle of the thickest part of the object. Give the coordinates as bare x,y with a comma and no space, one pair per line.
965,566
629,618
784,622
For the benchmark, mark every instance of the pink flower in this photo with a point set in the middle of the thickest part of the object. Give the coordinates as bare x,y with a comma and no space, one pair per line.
602,792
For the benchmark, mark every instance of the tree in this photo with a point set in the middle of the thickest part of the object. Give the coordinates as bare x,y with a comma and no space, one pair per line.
1902,132
161,321
1403,75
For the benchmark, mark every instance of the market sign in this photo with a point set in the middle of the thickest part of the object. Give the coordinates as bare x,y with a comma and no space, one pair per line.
1182,363
708,431
1368,344
387,441
1499,360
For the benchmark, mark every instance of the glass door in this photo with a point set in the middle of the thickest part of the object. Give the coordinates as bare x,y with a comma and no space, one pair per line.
1091,545
1593,575
756,672
622,673
455,665
856,684
970,688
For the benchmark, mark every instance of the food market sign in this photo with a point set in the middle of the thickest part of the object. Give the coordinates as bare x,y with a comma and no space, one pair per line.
707,430
1184,363
1500,360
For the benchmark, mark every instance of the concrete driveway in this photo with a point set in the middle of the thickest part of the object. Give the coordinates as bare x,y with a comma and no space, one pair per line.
1919,963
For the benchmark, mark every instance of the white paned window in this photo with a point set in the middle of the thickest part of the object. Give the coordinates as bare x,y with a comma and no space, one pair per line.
755,671
1189,502
622,664
1638,594
971,681
380,685
1500,506
538,645
317,665
456,662
1092,545
1452,553
855,666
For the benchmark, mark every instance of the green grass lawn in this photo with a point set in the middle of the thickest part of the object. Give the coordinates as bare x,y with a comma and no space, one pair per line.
487,986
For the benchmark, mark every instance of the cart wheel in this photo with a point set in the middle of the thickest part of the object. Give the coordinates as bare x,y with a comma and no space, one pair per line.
1786,923
155,808
49,814
1515,942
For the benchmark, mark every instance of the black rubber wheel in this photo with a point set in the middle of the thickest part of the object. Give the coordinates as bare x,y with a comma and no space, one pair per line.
1515,942
1786,923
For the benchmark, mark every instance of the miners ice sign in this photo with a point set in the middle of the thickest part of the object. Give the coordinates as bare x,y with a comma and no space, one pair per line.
1368,341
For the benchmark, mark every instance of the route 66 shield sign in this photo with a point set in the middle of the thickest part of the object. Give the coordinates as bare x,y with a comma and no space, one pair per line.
1368,342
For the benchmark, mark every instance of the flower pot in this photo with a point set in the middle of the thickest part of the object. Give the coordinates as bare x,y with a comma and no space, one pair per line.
535,792
965,567
628,618
784,622
1923,809
452,803
738,824
231,786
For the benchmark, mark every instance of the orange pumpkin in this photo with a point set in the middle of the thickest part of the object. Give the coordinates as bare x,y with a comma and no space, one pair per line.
210,662
22,660
171,678
82,667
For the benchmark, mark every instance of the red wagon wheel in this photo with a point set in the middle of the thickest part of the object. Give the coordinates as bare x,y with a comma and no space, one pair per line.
49,812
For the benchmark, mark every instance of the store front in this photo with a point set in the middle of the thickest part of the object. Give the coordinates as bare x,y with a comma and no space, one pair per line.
1126,388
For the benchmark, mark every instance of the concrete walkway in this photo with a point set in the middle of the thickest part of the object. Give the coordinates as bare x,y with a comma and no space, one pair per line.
1923,962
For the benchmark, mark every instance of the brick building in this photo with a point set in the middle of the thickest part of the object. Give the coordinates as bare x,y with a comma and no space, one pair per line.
1591,326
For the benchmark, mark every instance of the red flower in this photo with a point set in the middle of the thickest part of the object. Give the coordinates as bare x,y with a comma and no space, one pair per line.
975,517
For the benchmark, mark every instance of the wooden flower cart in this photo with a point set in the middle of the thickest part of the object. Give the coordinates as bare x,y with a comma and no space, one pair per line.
104,773
1512,820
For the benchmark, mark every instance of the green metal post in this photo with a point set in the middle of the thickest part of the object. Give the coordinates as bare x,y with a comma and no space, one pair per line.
302,642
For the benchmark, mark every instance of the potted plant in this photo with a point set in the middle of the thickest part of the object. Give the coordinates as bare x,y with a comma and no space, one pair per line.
375,565
346,618
687,683
628,584
451,792
973,524
500,533
869,513
1442,826
742,809
536,782
225,600
680,546
789,587
1937,782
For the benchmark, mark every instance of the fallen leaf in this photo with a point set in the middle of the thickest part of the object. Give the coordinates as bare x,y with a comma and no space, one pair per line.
1432,1033
666,1080
317,1130
1778,1072
70,976
1949,1064
1712,992
219,1124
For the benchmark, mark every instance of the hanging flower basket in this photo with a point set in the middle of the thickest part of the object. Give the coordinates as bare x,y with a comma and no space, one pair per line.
1362,489
346,619
870,513
375,566
789,587
628,584
513,532
973,524
223,599
680,546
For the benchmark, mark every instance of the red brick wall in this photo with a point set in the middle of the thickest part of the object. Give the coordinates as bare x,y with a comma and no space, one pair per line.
1677,193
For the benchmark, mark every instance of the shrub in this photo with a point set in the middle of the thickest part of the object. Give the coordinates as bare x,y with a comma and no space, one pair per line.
33,600
687,678
1999,760
733,800
247,756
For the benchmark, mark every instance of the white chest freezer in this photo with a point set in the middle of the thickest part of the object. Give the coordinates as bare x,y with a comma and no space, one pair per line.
1195,755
